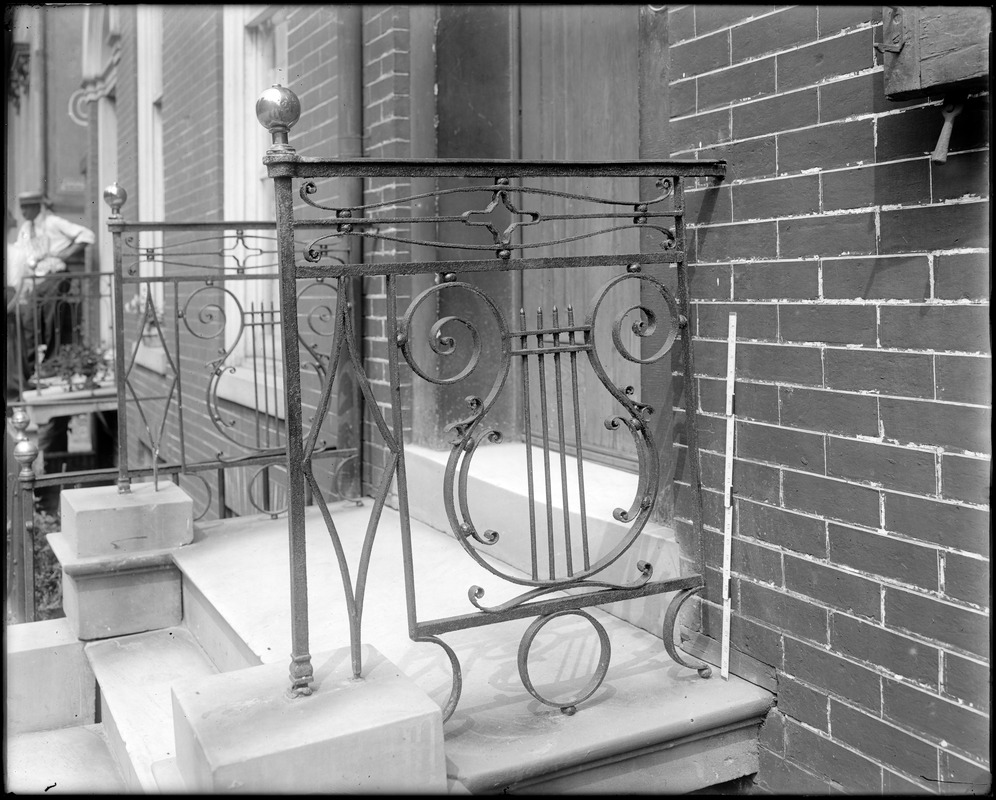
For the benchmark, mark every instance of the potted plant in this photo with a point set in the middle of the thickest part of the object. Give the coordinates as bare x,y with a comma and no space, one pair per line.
79,365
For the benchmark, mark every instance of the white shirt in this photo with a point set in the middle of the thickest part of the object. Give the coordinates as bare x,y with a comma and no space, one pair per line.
47,235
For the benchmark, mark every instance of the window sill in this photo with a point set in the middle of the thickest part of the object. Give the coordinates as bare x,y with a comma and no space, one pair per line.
238,385
153,358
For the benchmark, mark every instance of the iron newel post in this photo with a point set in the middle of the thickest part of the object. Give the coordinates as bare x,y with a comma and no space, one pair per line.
115,196
278,110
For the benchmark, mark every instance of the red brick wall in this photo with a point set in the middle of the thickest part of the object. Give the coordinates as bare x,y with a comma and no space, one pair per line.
859,274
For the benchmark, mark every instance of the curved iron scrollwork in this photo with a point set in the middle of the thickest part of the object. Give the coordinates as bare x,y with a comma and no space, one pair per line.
671,623
210,289
550,347
617,215
555,343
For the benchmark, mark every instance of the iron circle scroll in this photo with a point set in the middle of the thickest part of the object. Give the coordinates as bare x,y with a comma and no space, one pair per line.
568,706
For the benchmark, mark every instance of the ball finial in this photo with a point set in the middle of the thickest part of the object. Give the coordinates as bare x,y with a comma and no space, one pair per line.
115,196
278,110
25,453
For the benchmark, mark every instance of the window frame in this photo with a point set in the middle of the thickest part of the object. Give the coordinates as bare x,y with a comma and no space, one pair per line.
254,57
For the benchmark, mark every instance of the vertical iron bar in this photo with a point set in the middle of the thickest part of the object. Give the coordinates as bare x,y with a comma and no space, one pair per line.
546,444
529,446
27,477
563,453
691,389
267,417
255,372
272,433
222,498
15,562
301,670
124,480
577,438
179,372
397,423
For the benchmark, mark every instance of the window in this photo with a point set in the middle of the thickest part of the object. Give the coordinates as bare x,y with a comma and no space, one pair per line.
151,194
255,57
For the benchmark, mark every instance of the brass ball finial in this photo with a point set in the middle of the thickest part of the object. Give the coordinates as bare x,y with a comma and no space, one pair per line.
278,110
19,421
25,453
115,196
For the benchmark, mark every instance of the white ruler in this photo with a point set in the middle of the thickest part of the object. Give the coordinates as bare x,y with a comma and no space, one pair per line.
731,360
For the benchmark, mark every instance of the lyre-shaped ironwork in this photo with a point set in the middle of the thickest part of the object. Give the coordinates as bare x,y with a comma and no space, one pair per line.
539,356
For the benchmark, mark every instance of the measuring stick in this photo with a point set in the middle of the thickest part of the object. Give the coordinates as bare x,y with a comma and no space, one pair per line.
731,359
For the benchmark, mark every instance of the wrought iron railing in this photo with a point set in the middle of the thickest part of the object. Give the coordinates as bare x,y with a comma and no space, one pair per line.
57,311
195,375
502,226
199,359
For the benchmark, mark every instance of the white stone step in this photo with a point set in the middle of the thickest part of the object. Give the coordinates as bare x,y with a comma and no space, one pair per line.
134,676
649,717
64,761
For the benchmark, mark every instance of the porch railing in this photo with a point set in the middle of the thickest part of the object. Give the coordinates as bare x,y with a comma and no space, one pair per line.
490,218
199,356
195,374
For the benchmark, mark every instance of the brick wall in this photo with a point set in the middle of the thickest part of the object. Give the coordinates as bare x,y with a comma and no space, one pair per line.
859,274
386,134
193,85
125,103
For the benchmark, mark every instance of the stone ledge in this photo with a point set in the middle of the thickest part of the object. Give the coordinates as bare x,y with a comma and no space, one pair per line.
106,596
67,761
49,681
498,498
240,731
136,674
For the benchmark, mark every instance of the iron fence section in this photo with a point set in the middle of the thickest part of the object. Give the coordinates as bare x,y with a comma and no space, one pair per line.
502,199
194,354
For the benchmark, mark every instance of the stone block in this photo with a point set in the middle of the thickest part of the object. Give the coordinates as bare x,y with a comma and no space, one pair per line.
241,732
49,681
105,597
101,521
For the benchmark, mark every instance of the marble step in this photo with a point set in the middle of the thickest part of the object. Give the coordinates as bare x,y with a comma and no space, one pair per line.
134,677
74,760
652,725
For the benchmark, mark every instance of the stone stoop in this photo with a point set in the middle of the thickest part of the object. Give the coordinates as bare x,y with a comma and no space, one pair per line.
652,726
135,675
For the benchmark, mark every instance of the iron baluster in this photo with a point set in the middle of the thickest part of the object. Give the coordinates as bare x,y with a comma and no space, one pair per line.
558,382
540,345
577,438
527,422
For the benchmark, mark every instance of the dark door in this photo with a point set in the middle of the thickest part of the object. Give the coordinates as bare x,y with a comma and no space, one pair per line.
580,78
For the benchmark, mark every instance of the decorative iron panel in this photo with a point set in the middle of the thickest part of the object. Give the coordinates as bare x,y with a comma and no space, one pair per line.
183,327
536,357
